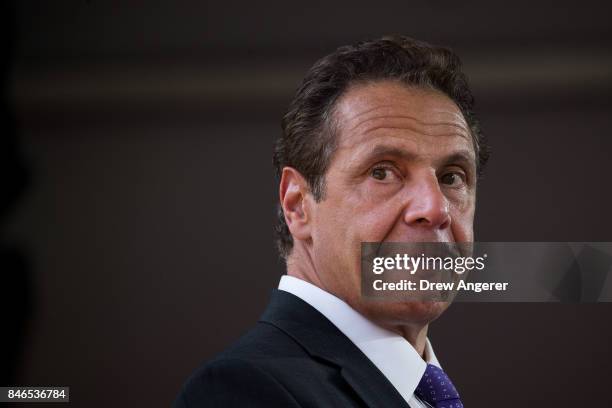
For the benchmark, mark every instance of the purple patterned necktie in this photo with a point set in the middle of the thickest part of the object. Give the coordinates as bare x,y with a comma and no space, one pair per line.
437,390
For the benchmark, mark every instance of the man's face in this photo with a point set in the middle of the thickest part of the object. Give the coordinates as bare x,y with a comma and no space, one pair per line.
404,171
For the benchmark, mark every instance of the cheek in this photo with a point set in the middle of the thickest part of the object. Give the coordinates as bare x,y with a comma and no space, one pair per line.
371,215
463,225
344,222
377,224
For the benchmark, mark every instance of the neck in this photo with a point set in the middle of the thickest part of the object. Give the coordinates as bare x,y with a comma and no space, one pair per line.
300,265
415,335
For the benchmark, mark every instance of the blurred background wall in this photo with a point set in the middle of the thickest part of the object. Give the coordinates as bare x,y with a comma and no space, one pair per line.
139,191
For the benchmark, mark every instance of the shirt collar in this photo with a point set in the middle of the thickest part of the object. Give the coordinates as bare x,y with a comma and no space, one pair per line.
393,355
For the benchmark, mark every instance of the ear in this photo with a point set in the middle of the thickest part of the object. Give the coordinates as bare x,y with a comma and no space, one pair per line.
294,196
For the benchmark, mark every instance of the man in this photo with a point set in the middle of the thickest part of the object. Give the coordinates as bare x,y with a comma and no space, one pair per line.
380,144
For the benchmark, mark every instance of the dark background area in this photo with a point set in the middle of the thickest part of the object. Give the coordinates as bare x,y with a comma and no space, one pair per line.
137,240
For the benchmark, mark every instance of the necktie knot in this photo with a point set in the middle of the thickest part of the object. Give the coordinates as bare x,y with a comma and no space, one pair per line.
437,389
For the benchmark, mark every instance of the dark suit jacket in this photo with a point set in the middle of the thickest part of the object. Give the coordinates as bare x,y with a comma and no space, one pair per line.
293,357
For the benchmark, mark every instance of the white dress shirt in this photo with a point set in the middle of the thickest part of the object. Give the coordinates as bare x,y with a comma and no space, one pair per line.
393,355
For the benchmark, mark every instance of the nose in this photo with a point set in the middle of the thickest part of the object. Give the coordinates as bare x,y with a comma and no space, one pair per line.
427,207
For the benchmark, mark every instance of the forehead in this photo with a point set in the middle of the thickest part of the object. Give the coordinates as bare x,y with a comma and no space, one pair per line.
393,110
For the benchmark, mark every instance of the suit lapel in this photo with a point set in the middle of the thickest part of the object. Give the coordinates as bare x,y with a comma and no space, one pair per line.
321,339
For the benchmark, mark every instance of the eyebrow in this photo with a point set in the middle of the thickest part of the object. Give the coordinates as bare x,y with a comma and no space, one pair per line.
462,157
380,151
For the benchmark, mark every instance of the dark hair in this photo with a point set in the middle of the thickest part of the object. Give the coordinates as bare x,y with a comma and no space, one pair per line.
308,140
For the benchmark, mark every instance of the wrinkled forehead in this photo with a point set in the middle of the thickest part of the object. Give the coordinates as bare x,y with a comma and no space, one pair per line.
368,109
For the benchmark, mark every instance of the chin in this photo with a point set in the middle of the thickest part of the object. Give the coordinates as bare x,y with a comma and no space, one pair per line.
403,313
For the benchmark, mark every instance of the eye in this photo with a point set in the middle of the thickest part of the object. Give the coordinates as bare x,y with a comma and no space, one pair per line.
379,173
382,173
452,178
